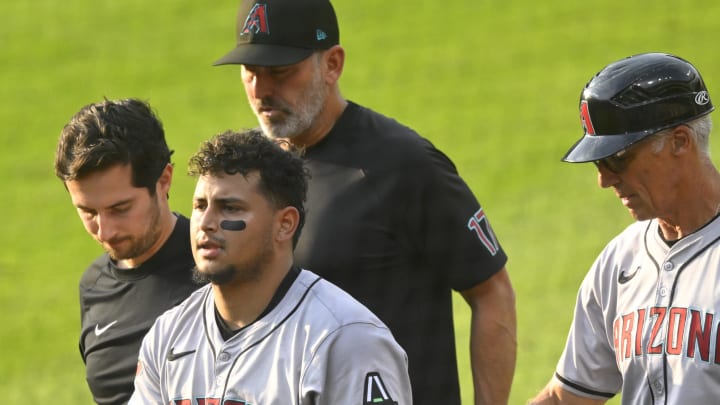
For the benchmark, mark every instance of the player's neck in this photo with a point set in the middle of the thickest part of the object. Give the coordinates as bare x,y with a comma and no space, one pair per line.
700,204
241,303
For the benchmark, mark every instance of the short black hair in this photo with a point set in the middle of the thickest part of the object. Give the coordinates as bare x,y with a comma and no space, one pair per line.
283,176
112,132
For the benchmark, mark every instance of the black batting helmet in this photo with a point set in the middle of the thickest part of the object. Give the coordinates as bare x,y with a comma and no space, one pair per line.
636,97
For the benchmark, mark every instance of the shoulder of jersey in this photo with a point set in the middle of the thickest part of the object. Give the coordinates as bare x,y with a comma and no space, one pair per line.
191,307
342,307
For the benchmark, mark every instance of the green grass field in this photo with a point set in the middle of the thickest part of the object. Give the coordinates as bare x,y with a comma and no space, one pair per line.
493,84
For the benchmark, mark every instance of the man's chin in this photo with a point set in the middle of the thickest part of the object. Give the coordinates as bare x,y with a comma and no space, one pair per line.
116,254
640,215
217,277
278,131
126,249
271,132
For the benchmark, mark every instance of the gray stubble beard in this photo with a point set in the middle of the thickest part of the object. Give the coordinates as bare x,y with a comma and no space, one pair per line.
300,120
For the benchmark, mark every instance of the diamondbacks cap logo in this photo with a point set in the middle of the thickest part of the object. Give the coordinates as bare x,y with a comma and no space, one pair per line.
585,118
375,391
256,21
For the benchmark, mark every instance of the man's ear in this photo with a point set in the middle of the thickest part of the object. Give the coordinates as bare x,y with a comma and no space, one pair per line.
165,180
681,139
287,222
334,61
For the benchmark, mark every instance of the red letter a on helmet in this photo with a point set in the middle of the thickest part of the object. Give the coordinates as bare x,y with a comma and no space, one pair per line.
585,118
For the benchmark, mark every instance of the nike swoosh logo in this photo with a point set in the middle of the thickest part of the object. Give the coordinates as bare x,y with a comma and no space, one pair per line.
624,277
172,356
99,331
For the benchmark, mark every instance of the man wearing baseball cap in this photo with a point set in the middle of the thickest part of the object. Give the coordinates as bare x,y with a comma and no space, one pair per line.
645,323
389,218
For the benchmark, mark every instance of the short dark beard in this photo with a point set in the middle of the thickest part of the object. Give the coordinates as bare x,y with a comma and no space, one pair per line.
221,277
145,242
249,271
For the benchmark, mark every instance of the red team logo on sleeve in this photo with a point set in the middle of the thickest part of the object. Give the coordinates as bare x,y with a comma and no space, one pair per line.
479,223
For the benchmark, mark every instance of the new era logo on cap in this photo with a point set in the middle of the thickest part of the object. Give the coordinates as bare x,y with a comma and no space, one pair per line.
282,32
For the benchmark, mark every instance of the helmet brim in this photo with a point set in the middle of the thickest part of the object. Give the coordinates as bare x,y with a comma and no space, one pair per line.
590,148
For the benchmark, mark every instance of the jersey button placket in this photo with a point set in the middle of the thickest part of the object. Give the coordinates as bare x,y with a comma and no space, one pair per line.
666,279
221,368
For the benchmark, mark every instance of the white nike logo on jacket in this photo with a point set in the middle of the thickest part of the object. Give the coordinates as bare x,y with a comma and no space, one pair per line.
99,331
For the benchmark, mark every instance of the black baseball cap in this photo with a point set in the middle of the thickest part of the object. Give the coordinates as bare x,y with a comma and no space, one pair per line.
282,32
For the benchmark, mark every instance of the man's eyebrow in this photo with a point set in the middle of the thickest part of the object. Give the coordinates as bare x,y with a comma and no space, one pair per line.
228,200
115,205
221,200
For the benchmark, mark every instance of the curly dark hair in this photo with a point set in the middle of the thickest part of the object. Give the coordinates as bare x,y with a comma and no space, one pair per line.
112,132
283,177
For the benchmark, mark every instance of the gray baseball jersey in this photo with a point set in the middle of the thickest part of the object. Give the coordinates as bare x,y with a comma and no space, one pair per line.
646,320
317,346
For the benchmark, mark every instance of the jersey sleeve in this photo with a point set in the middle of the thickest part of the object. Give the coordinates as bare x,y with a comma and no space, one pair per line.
357,364
451,228
587,366
147,378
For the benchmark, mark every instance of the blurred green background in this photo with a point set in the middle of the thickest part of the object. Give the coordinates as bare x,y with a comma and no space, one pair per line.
494,84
